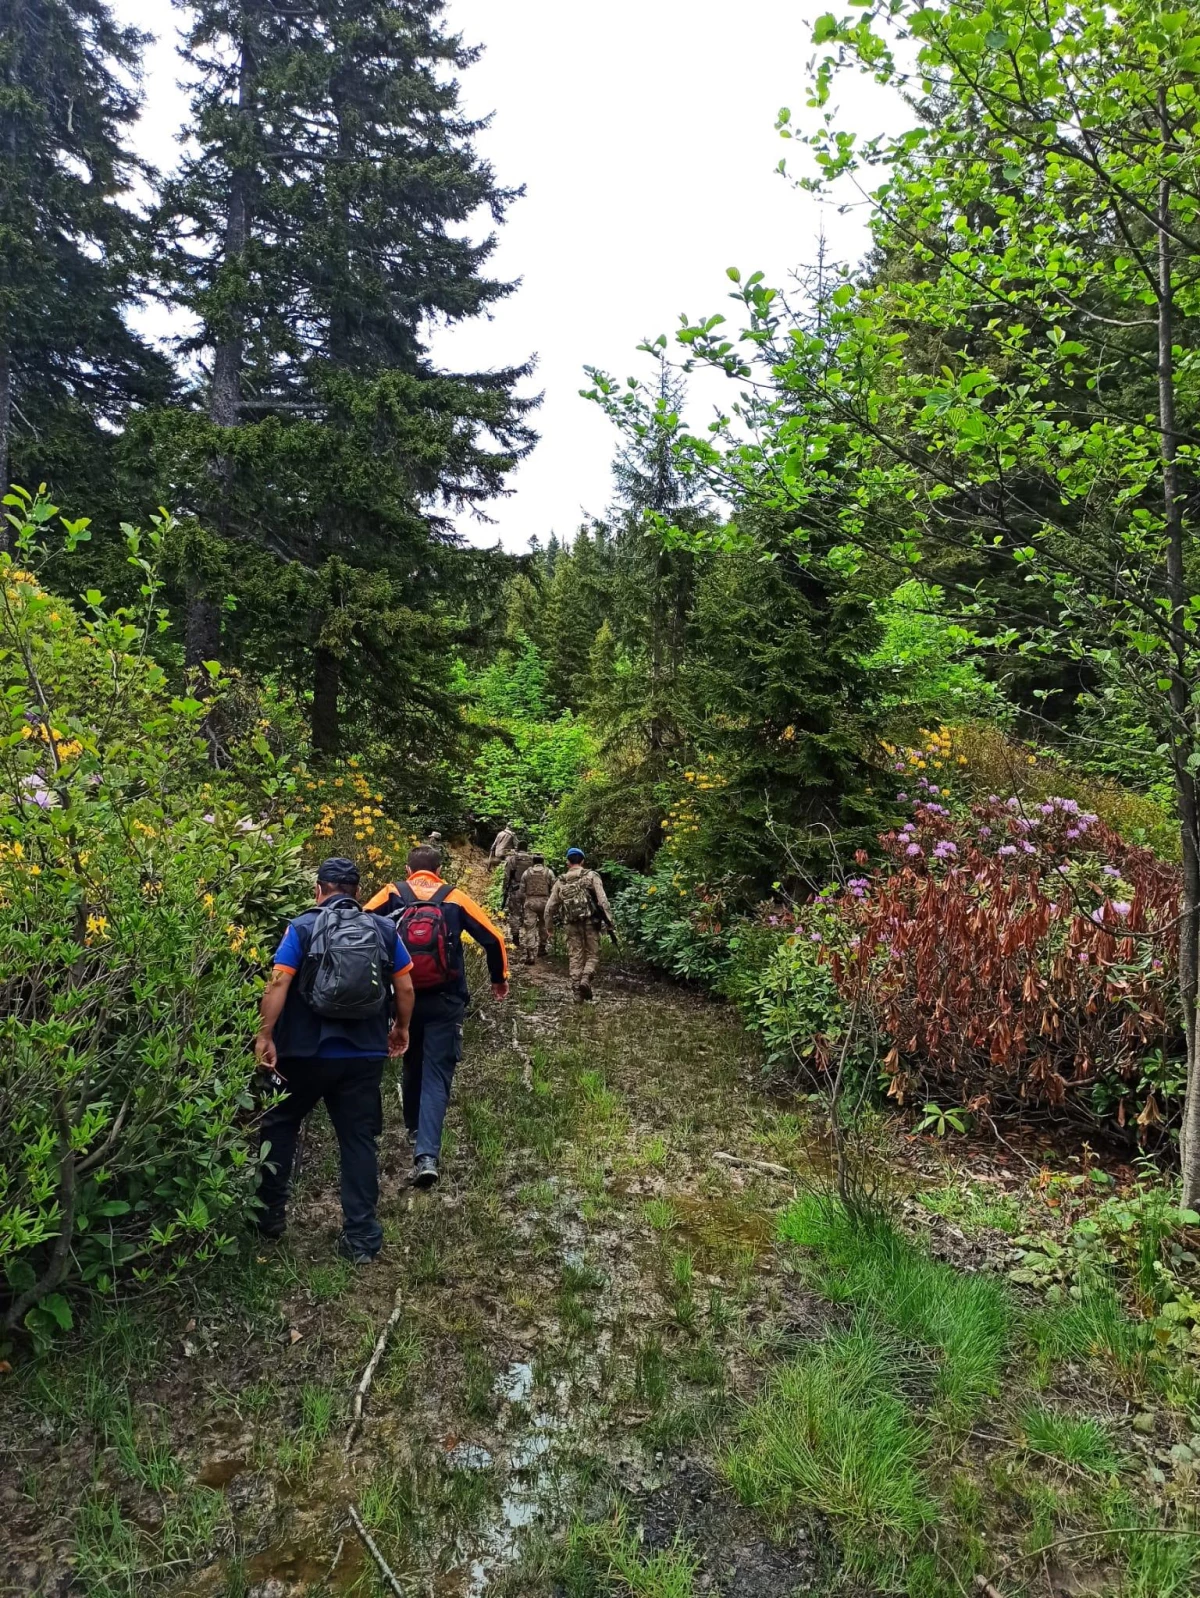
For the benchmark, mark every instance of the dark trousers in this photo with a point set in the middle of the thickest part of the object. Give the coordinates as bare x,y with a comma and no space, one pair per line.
434,1049
350,1089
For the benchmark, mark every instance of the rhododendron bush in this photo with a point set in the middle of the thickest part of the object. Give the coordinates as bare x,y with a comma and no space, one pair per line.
135,892
1016,955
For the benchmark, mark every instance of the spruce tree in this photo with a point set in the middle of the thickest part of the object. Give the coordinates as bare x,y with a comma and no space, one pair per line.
340,141
70,368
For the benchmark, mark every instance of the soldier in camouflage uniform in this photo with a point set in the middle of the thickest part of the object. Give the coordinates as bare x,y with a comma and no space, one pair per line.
534,888
579,898
503,845
511,900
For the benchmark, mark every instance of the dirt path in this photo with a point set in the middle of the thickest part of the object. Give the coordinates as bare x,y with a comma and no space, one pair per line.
580,1300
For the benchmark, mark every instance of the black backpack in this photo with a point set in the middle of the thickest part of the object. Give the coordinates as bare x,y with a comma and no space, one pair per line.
344,976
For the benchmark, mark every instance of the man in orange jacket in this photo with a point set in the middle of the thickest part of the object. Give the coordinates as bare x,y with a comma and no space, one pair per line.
436,916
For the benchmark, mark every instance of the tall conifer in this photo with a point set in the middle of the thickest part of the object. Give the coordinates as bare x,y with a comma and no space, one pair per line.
345,441
70,249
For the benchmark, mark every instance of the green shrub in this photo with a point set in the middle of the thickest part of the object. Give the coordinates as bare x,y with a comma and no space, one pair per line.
134,893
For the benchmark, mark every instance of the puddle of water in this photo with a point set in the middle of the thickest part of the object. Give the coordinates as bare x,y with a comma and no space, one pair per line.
516,1383
721,1224
469,1456
296,1567
220,1472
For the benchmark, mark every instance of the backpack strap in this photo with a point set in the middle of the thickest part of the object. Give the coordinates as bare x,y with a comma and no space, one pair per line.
410,897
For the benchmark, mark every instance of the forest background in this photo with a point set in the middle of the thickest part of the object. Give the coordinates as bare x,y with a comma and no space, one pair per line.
875,699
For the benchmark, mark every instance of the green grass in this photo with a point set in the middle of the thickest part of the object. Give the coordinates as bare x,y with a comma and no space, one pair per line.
1082,1441
975,1208
964,1321
661,1214
1093,1326
612,1551
318,1408
327,1283
830,1434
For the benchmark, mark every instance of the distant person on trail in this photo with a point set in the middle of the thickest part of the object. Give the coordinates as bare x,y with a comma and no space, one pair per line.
431,918
340,977
503,845
579,898
535,888
511,901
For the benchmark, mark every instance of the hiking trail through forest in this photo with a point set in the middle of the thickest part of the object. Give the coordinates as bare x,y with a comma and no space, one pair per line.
584,1301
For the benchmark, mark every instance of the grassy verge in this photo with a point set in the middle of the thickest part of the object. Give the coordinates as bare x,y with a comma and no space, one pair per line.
918,1436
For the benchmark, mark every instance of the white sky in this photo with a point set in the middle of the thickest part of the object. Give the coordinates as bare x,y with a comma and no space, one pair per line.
643,131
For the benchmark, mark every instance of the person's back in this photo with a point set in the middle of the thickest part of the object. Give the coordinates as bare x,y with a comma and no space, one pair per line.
503,845
534,888
436,916
578,898
511,900
339,978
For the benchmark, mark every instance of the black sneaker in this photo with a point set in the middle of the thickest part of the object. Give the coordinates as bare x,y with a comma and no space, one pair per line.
426,1172
410,1133
271,1227
352,1252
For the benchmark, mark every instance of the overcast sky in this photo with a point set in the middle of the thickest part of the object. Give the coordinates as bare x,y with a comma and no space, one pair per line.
644,133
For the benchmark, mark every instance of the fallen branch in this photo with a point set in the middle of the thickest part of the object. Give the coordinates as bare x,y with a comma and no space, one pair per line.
368,1376
764,1166
984,1586
372,1547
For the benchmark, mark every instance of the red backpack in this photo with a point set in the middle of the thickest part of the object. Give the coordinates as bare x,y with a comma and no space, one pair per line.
424,932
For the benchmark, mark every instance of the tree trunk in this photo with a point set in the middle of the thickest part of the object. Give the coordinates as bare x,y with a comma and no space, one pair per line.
326,719
202,636
1185,782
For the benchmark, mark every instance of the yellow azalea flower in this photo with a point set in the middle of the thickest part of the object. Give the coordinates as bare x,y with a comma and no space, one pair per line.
35,871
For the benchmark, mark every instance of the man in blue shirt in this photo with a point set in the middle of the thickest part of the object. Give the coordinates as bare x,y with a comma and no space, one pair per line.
338,1060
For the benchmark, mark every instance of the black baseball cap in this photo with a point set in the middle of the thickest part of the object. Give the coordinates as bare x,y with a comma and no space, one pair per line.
338,869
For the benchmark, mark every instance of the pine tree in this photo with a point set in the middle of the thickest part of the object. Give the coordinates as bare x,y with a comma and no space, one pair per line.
70,368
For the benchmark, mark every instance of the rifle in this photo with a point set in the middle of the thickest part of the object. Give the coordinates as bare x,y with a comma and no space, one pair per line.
607,923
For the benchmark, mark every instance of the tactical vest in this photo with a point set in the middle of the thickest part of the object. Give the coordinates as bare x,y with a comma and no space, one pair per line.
537,882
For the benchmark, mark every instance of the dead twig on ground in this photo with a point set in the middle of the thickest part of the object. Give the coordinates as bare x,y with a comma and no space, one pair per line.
368,1376
763,1166
984,1586
372,1547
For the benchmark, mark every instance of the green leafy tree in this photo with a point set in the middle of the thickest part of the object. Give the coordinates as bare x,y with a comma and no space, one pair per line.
72,245
1049,193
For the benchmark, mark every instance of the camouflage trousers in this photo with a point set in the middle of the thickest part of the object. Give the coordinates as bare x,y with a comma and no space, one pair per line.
533,929
583,950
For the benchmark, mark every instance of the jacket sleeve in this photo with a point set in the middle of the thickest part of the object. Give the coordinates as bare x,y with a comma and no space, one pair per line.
487,935
601,897
385,901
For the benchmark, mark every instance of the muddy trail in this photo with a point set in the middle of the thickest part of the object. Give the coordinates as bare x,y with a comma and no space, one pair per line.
580,1318
580,1301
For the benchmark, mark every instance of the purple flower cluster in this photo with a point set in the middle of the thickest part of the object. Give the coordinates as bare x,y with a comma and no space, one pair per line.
36,790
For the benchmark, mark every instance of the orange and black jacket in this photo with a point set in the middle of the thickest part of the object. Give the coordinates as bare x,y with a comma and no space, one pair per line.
462,915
